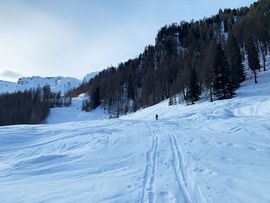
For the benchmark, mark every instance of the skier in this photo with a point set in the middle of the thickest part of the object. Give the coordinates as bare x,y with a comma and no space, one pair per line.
156,117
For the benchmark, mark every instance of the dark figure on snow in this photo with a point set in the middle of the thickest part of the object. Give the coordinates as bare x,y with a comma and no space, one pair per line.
156,117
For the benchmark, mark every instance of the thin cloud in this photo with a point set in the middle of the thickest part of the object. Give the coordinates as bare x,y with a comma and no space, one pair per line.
9,74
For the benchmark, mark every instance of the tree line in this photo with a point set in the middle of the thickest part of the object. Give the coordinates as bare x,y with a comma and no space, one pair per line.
29,106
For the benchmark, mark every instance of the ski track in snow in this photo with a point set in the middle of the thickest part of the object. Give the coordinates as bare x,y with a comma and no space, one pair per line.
181,171
150,170
179,168
154,161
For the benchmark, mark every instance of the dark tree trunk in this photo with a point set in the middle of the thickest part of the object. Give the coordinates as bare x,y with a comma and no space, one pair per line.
211,94
255,76
264,69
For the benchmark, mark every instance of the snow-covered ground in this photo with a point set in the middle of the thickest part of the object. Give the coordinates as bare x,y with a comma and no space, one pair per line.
74,113
208,152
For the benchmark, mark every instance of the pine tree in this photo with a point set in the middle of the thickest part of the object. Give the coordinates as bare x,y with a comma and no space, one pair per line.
86,105
237,74
222,86
264,54
193,89
130,88
95,98
170,101
253,58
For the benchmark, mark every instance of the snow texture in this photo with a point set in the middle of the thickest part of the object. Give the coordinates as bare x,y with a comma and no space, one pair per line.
208,152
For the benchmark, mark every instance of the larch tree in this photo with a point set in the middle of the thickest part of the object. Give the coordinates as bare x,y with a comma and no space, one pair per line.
193,89
253,58
222,85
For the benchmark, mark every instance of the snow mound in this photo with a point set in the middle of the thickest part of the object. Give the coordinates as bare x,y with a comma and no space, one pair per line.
223,113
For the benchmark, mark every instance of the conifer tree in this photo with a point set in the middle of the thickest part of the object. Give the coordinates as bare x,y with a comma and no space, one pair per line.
170,101
193,90
130,88
264,54
253,58
237,74
222,86
95,98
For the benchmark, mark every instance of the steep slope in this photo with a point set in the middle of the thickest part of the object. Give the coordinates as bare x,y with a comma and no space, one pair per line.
208,152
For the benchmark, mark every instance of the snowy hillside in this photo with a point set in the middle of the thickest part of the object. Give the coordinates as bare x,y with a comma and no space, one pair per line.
74,113
6,86
208,152
90,76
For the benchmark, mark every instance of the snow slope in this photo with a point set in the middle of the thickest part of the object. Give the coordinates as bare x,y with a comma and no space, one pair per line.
6,86
208,152
90,76
74,113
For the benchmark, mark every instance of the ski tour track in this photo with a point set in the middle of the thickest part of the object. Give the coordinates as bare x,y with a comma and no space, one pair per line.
150,170
183,191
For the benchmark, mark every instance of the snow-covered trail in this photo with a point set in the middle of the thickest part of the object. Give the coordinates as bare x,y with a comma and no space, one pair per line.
164,179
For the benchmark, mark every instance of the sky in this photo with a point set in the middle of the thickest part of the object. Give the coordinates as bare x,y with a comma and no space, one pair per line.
76,37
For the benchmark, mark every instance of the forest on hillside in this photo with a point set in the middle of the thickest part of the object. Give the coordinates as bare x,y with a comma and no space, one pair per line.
29,106
187,59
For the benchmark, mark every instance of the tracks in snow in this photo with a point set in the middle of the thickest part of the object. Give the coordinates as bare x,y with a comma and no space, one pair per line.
165,178
150,171
178,166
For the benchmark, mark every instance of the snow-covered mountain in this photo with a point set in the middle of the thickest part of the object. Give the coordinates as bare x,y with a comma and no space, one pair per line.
90,76
207,152
57,84
62,84
6,86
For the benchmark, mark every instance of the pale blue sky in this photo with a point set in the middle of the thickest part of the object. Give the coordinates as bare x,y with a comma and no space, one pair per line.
75,37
